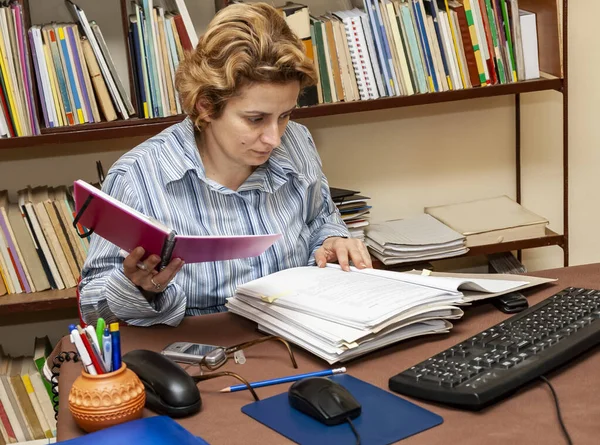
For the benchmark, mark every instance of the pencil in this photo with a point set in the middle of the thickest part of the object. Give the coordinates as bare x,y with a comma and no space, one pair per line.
291,378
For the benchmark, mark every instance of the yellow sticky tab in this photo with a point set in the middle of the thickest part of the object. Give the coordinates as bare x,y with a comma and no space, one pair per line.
272,298
80,115
426,272
61,35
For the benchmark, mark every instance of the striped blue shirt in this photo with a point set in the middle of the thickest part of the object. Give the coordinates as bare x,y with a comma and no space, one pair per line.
164,178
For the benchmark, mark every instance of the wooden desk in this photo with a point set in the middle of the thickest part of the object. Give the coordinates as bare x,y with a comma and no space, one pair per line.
528,417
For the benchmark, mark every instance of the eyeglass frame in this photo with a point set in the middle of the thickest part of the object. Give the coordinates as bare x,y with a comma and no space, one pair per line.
231,350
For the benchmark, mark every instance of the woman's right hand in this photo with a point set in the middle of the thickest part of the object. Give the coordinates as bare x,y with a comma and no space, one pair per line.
144,274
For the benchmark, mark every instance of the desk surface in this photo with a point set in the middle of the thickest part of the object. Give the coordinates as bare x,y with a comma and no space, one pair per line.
529,417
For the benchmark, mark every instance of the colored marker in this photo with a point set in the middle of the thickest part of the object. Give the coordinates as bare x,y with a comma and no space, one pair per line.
82,351
291,378
107,349
90,333
100,325
90,349
115,337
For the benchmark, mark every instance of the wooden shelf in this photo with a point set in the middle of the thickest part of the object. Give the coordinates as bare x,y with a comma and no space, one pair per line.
551,239
63,299
38,301
148,127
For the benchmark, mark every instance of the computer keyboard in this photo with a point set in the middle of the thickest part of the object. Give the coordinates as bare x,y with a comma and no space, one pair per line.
494,363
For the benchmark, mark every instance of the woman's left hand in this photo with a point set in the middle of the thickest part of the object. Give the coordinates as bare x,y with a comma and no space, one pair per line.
343,250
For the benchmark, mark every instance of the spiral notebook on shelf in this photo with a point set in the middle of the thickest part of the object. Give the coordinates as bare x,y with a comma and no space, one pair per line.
385,417
128,228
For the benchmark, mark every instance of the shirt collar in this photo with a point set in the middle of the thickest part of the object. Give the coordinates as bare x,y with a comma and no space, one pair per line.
181,156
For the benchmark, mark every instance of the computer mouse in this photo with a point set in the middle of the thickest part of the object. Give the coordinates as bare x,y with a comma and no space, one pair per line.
169,389
323,399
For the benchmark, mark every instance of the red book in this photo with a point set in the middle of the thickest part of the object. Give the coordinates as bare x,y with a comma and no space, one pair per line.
127,228
186,43
6,423
6,111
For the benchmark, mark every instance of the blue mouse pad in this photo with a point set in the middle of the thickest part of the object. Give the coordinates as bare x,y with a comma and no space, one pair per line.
385,417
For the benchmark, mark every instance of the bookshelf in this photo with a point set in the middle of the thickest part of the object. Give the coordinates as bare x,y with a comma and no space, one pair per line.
553,52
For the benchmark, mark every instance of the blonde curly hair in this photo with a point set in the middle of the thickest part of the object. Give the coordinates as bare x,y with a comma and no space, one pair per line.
244,43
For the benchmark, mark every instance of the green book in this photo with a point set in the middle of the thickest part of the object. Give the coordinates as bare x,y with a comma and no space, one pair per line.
323,73
511,51
41,350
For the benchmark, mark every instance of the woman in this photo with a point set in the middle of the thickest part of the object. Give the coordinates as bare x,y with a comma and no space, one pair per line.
235,166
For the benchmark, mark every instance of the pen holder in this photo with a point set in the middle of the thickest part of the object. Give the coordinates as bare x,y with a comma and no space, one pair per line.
101,401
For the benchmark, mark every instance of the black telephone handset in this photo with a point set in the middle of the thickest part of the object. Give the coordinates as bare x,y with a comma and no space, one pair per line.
169,389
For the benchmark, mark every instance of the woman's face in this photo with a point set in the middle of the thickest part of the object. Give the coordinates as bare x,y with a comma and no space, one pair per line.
252,123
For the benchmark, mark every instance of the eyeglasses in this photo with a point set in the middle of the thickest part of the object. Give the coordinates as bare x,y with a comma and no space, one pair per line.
218,357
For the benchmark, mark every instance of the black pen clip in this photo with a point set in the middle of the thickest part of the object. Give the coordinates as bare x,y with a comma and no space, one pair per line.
78,217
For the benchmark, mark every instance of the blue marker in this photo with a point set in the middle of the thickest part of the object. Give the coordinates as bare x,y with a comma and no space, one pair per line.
107,349
115,337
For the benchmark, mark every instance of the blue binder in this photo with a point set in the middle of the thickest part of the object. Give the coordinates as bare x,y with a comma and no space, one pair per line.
385,417
157,430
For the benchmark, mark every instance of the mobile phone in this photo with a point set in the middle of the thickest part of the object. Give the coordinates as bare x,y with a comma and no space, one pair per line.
186,352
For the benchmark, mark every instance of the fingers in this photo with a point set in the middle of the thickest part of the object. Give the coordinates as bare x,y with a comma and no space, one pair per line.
321,257
346,250
342,255
168,273
359,254
144,274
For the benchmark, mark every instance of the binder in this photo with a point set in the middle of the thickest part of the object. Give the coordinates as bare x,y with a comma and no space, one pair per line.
127,228
157,430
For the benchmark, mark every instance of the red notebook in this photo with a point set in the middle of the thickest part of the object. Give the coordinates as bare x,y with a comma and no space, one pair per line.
127,228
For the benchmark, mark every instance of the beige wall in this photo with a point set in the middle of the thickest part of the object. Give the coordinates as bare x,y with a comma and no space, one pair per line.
408,158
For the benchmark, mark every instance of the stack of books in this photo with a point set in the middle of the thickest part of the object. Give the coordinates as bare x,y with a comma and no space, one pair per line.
405,47
354,210
26,397
39,247
159,37
17,103
415,239
338,315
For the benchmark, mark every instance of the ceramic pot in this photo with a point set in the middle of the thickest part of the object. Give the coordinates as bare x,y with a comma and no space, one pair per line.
101,401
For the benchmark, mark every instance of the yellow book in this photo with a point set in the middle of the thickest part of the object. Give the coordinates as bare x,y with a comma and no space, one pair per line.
4,281
9,88
455,44
37,407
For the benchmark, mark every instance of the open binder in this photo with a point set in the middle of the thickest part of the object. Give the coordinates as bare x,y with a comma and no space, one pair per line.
127,228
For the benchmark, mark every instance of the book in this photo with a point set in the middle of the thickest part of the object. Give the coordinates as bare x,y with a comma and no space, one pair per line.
338,315
155,430
128,228
491,220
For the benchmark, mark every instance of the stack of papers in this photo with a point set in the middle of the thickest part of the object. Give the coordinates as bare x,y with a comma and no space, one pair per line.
354,210
419,238
339,315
